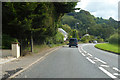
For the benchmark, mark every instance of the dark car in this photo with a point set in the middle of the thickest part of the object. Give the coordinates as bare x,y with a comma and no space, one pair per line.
73,42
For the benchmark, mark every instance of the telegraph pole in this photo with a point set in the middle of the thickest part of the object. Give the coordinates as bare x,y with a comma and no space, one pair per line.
76,29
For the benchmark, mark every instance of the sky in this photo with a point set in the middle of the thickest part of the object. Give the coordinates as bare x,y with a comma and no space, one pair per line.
100,8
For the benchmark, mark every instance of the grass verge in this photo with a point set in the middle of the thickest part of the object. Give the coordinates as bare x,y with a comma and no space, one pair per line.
40,48
109,47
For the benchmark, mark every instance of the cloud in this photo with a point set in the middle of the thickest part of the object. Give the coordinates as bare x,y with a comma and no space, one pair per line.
100,8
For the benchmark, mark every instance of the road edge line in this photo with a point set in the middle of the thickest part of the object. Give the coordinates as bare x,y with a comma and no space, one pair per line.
14,75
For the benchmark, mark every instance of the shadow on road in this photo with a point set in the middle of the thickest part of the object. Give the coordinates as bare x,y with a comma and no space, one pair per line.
69,47
10,72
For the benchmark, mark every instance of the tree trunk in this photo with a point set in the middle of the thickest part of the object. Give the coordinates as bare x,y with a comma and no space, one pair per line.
31,42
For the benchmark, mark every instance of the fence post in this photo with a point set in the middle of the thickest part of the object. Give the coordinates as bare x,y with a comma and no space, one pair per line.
15,50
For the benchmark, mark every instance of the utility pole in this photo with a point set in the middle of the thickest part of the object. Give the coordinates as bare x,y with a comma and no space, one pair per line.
76,29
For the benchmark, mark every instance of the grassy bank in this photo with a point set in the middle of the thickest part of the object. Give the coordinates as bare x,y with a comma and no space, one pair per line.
40,48
108,47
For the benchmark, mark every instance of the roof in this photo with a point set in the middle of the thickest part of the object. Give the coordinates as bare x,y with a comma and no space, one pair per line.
86,35
62,31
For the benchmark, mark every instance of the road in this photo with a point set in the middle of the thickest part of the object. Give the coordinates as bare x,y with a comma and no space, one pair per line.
83,62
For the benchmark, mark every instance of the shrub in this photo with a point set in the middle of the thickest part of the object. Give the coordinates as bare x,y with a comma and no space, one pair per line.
114,39
58,38
87,39
100,40
7,40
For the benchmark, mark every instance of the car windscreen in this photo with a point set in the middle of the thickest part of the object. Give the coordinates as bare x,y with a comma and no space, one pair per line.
73,40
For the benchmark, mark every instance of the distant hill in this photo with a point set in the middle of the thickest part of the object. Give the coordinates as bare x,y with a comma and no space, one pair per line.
90,24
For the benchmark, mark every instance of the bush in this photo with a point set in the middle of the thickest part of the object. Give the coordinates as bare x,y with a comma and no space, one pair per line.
100,40
114,39
87,39
57,39
7,40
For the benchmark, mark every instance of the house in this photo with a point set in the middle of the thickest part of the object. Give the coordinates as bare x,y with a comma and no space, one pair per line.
86,35
65,34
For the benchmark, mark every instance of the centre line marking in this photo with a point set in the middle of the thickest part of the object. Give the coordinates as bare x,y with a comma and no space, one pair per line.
84,51
116,74
101,60
106,72
90,60
83,54
89,54
116,69
104,65
81,48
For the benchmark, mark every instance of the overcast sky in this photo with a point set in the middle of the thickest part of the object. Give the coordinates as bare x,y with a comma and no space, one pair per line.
100,8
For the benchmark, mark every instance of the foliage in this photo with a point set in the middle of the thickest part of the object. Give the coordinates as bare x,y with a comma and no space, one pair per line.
91,38
58,38
75,34
70,20
114,39
100,40
67,28
7,41
88,24
87,39
23,20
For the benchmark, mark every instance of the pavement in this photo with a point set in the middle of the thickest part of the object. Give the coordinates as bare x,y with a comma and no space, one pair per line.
6,59
10,65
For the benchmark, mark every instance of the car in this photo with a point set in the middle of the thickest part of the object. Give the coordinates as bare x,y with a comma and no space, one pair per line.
73,42
94,41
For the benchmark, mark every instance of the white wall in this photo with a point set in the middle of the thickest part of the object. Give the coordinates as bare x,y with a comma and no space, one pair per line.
15,51
6,52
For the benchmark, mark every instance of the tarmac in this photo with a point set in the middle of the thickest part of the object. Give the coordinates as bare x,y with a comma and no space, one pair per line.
10,65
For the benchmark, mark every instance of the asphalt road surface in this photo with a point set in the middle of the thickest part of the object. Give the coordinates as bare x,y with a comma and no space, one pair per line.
83,62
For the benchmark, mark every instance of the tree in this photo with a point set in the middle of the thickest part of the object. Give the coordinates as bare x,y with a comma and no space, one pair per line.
89,24
26,20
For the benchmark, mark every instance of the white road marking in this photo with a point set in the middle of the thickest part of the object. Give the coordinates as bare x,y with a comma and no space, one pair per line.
101,60
104,65
116,69
95,60
106,72
89,54
80,51
90,60
83,54
84,51
116,74
40,59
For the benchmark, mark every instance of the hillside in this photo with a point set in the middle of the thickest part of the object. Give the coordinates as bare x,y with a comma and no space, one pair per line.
90,24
